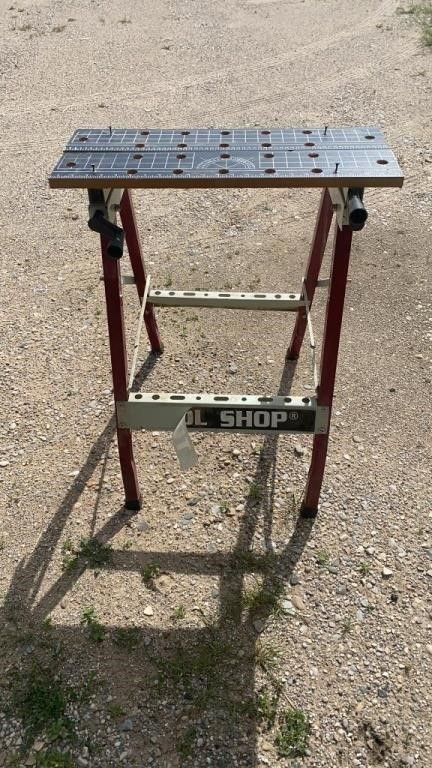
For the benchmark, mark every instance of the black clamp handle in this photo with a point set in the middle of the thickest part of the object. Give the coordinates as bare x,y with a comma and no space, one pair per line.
98,223
357,213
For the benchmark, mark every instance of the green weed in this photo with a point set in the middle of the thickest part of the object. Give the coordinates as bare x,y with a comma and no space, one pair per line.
322,558
255,491
185,744
149,573
115,711
292,737
54,759
364,568
262,599
127,637
95,629
178,614
40,698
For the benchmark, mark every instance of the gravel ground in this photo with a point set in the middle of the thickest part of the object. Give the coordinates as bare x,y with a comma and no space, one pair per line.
197,627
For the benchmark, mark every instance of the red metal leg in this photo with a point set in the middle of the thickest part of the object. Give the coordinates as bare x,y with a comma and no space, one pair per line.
322,228
127,215
117,341
332,329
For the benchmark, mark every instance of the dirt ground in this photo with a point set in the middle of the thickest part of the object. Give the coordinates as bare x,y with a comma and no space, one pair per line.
215,627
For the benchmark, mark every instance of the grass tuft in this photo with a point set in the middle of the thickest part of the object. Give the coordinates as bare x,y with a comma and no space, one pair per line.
95,629
91,550
54,759
292,737
422,12
127,638
186,742
149,573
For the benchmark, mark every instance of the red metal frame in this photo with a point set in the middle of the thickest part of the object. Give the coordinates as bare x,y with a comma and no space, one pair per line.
117,339
332,330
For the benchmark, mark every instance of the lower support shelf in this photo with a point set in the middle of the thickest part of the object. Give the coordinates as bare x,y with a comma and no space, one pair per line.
222,413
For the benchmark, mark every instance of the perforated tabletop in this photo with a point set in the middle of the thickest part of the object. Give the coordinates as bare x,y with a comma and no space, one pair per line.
237,157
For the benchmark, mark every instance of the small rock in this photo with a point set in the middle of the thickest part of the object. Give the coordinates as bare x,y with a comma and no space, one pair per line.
386,573
259,626
38,745
148,611
299,450
298,603
429,649
143,526
193,502
82,761
232,368
126,725
294,580
356,439
4,463
288,607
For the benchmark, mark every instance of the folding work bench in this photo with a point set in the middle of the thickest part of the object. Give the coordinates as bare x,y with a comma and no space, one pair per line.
109,163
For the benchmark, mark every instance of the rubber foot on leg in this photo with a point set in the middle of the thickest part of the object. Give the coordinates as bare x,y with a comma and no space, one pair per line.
308,512
289,357
133,504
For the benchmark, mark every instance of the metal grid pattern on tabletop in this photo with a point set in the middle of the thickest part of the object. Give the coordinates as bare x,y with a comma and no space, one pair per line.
235,157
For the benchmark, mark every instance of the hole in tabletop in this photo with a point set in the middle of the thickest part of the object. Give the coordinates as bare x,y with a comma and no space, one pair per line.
178,171
268,154
137,157
223,170
177,397
382,162
225,157
83,138
270,170
221,398
138,396
287,399
185,133
155,397
313,154
181,146
265,133
316,170
306,131
180,157
131,171
305,400
223,146
71,164
309,144
266,144
225,133
369,136
139,146
144,133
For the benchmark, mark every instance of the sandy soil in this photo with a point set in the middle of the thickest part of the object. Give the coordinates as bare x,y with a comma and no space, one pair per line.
308,622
